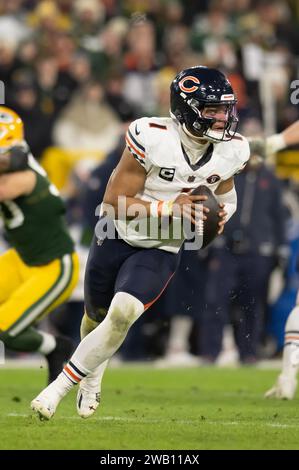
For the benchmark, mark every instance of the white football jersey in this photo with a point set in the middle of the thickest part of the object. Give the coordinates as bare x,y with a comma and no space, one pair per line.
155,143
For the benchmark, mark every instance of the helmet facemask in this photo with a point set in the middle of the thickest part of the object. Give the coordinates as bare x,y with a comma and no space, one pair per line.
202,125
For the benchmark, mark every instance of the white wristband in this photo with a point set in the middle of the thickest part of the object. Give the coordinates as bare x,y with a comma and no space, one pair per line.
229,200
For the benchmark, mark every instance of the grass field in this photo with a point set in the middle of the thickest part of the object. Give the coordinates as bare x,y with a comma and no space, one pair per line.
144,408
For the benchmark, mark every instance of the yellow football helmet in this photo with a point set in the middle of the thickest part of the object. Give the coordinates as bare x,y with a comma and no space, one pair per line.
11,129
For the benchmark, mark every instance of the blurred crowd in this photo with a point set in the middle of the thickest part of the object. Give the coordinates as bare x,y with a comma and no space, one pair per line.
78,71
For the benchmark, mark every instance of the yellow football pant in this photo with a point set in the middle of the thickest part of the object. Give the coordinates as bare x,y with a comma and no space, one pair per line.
27,293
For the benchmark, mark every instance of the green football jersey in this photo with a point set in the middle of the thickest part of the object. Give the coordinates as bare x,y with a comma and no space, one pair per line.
34,224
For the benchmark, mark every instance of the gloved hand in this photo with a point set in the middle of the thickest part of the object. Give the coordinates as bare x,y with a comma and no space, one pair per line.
14,159
266,147
257,146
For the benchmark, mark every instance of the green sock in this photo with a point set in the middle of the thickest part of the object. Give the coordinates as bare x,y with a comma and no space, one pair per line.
29,340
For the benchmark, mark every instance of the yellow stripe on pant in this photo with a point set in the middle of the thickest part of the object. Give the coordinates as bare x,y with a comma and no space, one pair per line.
27,293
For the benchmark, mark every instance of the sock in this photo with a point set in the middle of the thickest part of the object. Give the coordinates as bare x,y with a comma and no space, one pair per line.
179,333
29,340
75,372
106,338
288,368
94,379
48,343
290,361
60,386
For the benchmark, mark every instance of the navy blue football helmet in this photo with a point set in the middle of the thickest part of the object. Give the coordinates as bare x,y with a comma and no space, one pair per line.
195,88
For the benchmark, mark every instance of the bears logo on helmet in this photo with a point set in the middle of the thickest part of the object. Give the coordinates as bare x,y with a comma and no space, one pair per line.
188,79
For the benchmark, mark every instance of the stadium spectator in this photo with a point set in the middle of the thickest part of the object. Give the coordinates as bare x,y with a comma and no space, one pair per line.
37,123
55,87
88,122
141,67
89,16
13,22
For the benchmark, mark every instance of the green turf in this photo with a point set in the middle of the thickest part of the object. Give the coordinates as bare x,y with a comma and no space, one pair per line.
142,408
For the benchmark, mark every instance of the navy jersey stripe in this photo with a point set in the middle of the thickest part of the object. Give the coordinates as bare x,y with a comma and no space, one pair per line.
135,141
76,369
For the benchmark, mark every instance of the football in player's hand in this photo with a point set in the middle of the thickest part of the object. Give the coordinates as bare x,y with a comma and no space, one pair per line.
208,228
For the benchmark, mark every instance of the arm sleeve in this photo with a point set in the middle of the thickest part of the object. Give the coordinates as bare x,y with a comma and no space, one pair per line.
229,199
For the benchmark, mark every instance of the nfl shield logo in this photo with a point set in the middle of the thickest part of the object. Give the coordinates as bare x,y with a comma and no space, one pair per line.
191,179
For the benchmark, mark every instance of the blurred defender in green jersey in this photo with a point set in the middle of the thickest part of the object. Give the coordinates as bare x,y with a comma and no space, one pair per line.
41,269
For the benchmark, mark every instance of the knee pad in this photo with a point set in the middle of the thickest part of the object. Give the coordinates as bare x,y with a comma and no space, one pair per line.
292,323
124,310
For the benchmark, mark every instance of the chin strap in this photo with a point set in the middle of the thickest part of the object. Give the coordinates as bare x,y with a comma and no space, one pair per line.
210,136
196,139
214,136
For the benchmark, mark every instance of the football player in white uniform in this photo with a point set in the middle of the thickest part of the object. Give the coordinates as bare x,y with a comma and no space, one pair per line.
286,384
164,160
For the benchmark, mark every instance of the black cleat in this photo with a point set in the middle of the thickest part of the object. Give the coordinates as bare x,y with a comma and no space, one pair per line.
59,356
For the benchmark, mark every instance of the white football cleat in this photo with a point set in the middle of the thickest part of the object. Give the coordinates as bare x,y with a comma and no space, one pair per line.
45,403
87,402
284,389
89,393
